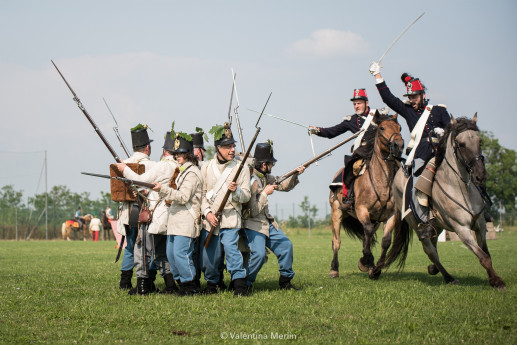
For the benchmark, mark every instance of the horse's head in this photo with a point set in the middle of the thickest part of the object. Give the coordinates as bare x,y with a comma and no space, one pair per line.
467,148
388,138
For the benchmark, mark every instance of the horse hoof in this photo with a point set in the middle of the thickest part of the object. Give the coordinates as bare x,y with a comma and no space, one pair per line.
373,273
362,267
498,284
334,274
432,269
454,282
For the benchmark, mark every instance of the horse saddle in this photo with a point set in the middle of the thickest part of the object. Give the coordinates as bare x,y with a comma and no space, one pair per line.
73,223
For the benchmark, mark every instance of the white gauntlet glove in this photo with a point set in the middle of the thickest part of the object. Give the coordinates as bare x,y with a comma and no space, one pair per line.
375,68
439,132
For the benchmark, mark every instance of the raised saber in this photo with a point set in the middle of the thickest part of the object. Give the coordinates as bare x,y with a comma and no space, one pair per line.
115,129
294,123
399,36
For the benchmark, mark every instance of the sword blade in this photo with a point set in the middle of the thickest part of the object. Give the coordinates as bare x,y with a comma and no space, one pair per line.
280,118
399,36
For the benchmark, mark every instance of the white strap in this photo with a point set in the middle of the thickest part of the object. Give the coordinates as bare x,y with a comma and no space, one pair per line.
365,126
416,134
221,179
253,179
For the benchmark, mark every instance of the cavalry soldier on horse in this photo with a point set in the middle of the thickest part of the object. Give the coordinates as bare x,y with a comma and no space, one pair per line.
260,226
426,123
142,151
362,119
155,234
218,176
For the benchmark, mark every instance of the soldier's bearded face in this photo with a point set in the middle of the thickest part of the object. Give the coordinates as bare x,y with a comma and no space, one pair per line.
360,106
416,101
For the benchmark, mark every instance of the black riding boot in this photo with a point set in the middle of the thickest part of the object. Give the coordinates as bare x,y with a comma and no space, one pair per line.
285,283
143,287
170,284
426,230
125,280
348,200
240,286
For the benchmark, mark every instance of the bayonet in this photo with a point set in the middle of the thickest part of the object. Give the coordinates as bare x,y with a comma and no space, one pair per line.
123,179
115,129
234,75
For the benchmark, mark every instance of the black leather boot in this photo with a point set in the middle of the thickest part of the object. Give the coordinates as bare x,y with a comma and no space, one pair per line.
143,287
188,288
211,289
170,284
426,230
125,280
285,283
152,277
240,287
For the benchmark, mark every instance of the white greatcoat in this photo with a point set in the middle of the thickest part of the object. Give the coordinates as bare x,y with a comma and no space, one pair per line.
232,212
185,210
161,172
123,210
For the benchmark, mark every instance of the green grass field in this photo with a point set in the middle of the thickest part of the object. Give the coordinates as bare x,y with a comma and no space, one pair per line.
60,292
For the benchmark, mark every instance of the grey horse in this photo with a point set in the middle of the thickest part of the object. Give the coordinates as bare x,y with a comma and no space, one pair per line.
458,199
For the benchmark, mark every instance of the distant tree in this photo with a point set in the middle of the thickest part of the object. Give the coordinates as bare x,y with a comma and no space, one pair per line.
308,212
501,166
210,152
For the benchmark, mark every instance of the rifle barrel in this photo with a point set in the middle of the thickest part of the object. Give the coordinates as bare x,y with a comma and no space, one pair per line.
83,109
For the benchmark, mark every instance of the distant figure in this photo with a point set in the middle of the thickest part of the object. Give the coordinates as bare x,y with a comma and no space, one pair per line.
108,213
79,217
95,227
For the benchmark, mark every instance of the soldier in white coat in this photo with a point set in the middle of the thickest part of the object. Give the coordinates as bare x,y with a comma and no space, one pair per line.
260,226
184,215
161,172
142,151
218,175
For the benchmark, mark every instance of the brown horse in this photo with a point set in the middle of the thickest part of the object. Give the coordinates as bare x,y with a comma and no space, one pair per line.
72,225
373,199
458,199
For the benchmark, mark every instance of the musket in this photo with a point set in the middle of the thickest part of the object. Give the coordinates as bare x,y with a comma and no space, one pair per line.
115,129
294,123
318,157
399,36
220,209
83,109
123,179
237,113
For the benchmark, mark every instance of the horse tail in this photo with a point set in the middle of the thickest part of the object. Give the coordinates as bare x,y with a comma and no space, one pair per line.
63,230
399,248
353,227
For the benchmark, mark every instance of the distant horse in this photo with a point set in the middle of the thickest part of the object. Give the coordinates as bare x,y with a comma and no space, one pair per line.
457,198
72,225
373,199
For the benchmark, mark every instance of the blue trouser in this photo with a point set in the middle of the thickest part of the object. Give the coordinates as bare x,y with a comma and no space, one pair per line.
212,257
180,253
128,260
278,242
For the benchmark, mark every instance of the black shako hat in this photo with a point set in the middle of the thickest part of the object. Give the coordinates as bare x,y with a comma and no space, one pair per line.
140,137
197,140
264,153
226,138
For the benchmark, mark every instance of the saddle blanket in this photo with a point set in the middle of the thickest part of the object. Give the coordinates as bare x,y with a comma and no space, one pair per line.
72,223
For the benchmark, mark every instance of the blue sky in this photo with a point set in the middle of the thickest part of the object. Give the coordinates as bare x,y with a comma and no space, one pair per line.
161,61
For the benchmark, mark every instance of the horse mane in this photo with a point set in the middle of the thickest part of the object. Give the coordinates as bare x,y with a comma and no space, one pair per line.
462,124
371,133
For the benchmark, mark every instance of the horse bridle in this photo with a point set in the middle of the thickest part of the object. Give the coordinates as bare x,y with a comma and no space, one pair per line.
390,144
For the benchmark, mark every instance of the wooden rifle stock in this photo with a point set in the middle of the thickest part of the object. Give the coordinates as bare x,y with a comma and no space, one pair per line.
228,192
318,157
83,109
